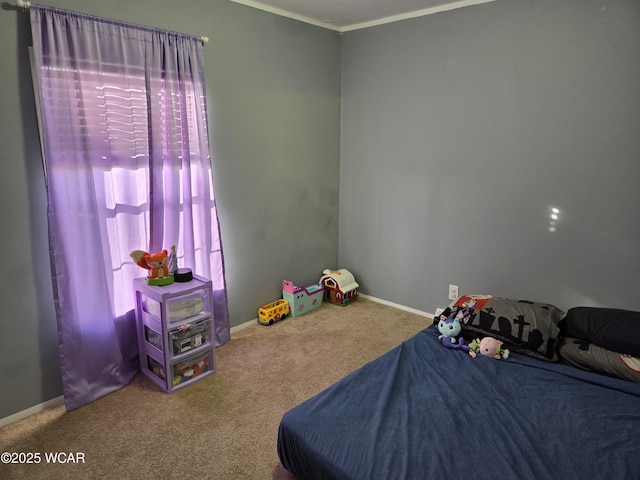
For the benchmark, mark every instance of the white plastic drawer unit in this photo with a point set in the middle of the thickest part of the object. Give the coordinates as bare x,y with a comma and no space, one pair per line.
183,371
178,308
189,336
183,339
175,332
190,369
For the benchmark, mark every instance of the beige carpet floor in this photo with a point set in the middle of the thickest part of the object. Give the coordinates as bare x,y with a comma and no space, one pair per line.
224,427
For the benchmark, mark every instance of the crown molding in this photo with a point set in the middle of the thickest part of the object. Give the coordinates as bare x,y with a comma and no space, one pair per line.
358,26
415,14
286,13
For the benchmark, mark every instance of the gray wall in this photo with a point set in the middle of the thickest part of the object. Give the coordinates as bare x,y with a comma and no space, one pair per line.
461,130
274,109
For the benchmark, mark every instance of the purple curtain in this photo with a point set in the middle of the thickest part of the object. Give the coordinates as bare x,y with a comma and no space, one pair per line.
124,132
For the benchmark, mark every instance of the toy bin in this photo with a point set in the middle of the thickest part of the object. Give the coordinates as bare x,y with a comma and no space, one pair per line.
175,332
153,337
302,299
155,367
190,368
189,336
178,308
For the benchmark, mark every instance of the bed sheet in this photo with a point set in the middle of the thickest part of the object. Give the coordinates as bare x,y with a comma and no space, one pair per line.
422,411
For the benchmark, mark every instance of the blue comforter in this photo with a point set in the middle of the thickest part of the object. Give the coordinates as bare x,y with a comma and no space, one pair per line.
422,411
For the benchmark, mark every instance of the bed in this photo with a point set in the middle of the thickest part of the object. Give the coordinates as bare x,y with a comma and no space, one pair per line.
423,411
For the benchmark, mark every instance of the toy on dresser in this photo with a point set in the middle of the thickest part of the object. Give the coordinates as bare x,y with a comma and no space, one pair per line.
157,263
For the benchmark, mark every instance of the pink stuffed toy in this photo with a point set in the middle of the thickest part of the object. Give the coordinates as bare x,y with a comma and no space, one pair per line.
489,346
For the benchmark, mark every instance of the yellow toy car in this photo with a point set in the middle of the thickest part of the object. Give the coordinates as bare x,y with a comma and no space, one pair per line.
272,312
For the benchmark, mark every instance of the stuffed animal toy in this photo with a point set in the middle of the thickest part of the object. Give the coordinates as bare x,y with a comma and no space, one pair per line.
449,329
489,346
156,263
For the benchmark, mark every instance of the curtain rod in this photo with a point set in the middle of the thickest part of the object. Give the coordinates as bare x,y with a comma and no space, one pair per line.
27,4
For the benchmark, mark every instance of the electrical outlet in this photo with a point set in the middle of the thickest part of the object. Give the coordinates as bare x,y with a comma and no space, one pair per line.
453,292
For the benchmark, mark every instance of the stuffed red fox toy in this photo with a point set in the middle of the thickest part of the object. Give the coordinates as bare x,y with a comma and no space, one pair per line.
156,263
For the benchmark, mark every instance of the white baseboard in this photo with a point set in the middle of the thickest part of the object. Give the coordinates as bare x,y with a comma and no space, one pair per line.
396,305
60,400
243,325
54,402
368,297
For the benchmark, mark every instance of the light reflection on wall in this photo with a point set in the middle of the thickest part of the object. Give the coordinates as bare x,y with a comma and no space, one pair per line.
554,217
